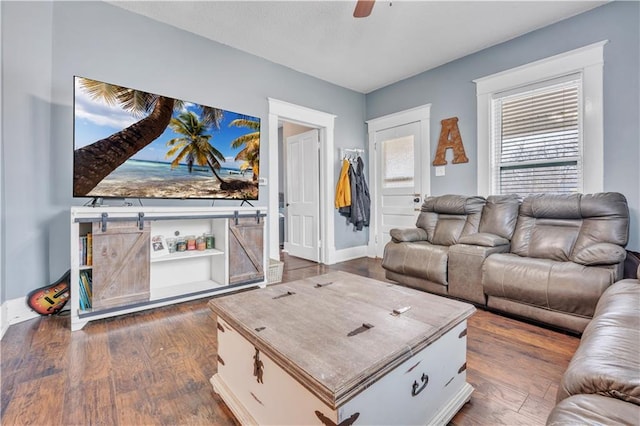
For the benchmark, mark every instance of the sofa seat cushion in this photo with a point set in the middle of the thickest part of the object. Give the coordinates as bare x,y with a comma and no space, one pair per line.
607,361
419,259
565,287
593,410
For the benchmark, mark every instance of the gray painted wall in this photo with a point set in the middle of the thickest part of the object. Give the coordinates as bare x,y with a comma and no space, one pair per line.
451,92
26,127
2,241
45,44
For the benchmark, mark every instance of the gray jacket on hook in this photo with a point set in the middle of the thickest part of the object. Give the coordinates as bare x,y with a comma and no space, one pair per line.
360,199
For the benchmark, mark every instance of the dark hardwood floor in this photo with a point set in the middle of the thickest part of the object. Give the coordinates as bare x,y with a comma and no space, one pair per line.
153,367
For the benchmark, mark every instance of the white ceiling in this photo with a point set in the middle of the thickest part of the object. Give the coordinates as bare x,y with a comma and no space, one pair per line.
321,38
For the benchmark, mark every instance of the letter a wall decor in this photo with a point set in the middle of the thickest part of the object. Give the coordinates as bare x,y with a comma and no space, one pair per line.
450,138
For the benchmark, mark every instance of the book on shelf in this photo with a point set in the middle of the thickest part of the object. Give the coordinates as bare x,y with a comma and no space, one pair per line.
86,291
81,296
87,284
89,261
82,300
82,246
85,245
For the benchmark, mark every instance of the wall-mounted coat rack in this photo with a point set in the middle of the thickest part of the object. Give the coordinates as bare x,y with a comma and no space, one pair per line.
351,152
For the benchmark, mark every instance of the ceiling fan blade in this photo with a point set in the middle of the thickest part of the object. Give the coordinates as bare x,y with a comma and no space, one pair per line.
363,8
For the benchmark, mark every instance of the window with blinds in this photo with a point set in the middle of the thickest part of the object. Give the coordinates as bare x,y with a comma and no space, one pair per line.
537,144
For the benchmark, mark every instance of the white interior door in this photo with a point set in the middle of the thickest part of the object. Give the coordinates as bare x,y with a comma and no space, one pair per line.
399,179
303,195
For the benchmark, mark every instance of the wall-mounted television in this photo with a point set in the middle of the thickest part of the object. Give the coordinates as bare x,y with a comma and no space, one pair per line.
133,144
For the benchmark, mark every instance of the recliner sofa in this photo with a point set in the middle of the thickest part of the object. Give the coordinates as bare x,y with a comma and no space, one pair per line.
419,257
548,259
602,382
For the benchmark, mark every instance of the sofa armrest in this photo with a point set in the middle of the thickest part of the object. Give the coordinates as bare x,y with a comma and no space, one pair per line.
465,270
593,409
606,361
400,235
484,239
600,254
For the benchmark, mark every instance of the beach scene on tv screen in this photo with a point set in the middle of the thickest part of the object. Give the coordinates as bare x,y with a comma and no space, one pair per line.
134,144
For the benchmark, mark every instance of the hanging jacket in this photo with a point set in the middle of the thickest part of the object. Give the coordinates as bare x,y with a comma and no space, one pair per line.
360,199
343,189
350,211
365,197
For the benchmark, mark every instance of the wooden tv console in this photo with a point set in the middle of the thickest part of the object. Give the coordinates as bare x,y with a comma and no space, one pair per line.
128,275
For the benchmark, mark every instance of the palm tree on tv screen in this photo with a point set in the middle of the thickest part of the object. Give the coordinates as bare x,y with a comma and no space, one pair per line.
250,154
193,146
96,161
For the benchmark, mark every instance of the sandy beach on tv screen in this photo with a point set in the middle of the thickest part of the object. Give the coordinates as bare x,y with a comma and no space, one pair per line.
192,188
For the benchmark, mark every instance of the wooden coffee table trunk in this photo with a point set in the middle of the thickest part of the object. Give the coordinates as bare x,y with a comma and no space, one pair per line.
330,350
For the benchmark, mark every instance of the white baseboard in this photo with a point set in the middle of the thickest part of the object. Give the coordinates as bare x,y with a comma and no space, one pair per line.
14,311
4,323
347,254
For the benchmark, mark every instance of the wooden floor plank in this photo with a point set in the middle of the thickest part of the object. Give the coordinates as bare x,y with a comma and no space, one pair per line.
89,402
153,367
37,402
536,408
487,389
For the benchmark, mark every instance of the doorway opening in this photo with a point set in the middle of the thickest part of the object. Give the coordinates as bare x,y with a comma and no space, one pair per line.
299,197
323,124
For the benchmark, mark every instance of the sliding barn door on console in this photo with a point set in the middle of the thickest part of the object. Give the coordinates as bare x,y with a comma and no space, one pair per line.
246,242
120,264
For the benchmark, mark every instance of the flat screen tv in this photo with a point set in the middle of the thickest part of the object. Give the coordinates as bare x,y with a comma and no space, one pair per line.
133,144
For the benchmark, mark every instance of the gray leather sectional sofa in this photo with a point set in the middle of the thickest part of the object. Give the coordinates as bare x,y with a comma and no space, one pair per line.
602,383
548,258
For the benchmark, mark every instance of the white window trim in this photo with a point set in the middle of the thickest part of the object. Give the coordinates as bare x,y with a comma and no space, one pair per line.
587,60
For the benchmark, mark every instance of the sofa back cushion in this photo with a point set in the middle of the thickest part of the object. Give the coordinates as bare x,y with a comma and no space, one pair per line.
499,215
606,220
568,227
446,218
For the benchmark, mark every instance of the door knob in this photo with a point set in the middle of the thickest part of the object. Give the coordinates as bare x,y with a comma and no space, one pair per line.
416,200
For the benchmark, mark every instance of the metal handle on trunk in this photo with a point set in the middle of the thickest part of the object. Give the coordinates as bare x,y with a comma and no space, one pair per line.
416,388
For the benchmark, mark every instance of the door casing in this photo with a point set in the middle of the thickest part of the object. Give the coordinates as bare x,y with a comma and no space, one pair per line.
421,114
325,123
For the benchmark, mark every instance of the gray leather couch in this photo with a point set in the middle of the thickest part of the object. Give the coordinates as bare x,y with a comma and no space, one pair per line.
419,257
549,258
565,251
602,383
